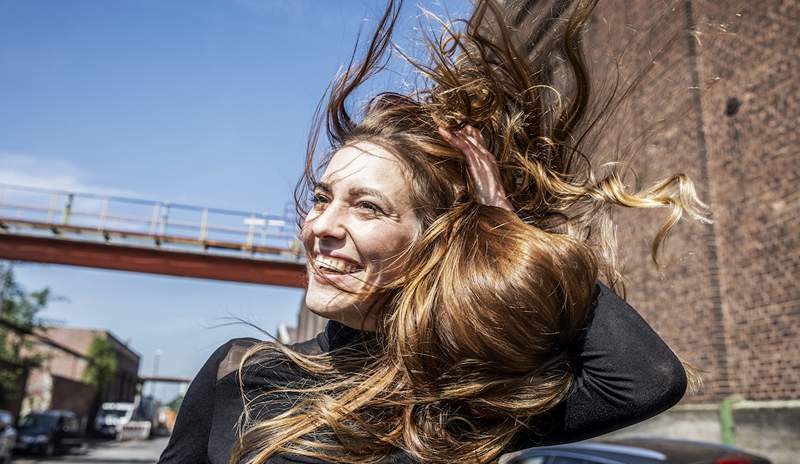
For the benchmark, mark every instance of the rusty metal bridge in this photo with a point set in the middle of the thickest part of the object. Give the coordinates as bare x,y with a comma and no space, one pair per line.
156,237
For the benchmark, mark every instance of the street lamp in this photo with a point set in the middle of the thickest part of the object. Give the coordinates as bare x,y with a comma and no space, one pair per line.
158,354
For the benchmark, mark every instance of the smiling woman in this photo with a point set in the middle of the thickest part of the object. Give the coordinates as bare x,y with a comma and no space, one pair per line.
361,222
455,239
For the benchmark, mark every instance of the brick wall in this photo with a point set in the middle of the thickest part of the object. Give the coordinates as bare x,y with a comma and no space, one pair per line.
727,299
61,364
72,396
755,168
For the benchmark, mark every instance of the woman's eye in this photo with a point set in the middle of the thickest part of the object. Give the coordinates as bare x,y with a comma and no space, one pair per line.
318,198
371,207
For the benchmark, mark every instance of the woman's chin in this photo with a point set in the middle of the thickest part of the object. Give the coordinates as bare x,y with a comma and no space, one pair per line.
327,304
338,306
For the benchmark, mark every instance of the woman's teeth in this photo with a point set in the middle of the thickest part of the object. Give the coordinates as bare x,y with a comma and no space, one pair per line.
336,265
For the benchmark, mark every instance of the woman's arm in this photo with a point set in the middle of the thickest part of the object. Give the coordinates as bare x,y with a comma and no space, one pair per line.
189,440
624,374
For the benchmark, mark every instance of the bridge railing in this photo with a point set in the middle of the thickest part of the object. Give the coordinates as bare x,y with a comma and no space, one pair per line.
159,223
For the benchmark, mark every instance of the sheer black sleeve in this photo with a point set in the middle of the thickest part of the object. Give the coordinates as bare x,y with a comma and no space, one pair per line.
624,374
189,440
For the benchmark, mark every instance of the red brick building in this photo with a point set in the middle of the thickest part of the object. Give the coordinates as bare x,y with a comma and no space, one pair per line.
727,299
59,384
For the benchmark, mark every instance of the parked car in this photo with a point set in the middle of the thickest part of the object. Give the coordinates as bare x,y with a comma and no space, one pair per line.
8,436
112,417
46,432
635,451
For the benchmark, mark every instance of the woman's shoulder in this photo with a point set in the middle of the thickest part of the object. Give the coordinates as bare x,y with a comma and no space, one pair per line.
228,357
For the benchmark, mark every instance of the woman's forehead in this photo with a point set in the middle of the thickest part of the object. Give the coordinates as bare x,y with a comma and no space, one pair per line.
369,165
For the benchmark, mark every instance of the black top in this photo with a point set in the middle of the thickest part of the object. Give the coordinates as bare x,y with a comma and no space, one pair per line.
624,373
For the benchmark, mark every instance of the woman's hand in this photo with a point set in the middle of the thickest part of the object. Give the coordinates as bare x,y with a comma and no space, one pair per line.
482,166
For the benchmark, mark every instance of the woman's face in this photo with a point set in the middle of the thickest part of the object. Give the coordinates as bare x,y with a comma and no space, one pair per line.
361,221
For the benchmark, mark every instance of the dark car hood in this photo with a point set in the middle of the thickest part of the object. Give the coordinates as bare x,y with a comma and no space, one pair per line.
682,450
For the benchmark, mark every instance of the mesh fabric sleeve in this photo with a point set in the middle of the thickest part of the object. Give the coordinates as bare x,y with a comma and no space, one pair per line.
188,443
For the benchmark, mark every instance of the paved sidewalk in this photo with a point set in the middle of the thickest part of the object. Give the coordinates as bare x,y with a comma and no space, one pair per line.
108,452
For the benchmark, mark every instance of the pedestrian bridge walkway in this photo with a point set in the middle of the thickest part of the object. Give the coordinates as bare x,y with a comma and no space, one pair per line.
113,232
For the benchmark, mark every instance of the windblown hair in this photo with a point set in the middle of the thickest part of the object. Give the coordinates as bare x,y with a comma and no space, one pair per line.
472,340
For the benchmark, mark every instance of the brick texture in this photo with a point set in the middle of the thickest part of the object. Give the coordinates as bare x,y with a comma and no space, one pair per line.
727,298
64,365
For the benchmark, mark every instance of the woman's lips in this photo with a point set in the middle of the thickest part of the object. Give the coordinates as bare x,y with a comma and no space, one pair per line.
334,277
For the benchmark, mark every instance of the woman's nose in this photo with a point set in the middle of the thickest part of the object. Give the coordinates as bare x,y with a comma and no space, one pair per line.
329,223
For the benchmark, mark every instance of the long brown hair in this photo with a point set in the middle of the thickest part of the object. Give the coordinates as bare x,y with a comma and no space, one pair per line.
472,339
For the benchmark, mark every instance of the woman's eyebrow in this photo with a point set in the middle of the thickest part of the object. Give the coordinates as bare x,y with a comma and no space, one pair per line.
356,191
324,186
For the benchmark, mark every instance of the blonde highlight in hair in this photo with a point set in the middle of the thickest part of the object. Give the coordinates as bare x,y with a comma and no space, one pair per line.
472,339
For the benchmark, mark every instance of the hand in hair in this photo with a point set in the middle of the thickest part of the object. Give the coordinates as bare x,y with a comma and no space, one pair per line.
482,166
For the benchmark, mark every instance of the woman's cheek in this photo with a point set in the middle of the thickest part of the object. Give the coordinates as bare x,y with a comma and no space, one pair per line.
389,255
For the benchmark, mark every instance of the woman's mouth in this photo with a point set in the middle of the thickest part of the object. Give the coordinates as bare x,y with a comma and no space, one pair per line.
331,266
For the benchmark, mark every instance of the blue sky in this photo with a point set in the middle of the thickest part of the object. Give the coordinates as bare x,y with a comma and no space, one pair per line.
198,102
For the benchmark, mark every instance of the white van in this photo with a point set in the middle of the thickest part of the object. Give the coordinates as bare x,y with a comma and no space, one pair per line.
112,417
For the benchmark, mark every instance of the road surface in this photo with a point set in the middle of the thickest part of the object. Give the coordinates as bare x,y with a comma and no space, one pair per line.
107,452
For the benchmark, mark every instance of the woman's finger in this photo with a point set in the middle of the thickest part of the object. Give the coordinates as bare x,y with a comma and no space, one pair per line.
481,164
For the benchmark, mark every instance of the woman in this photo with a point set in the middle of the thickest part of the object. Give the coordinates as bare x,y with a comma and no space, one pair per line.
455,240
